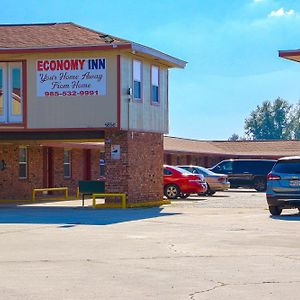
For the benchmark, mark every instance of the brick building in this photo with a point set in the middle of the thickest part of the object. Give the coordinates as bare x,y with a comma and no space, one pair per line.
64,89
208,153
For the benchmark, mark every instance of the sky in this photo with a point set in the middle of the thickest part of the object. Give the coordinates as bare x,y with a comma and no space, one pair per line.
231,48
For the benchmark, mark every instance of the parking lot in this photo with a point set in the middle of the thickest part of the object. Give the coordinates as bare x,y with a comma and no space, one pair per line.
221,247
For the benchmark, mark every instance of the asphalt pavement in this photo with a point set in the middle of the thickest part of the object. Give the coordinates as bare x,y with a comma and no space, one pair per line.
221,247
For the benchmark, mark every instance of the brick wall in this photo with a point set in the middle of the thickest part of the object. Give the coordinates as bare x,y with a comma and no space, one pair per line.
139,170
77,168
11,187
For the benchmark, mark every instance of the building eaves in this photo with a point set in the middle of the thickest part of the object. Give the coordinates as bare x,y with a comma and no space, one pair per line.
271,148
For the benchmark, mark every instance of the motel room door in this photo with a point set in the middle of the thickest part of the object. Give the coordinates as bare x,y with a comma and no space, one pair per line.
48,174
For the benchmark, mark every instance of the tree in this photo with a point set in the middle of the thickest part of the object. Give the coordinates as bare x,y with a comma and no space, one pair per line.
295,121
271,120
234,137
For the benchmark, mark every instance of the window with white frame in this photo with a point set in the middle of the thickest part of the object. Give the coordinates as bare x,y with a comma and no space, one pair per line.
137,80
154,84
11,99
22,162
67,163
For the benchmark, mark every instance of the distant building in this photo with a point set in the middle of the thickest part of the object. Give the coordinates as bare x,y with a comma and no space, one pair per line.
208,153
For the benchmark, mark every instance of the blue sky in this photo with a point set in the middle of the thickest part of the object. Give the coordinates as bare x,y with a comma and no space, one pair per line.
231,48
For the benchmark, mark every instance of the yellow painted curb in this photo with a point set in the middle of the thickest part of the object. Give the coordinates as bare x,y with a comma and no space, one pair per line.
103,205
38,199
134,205
149,204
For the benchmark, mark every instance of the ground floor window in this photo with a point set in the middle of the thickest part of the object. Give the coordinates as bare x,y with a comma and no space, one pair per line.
67,163
11,98
22,162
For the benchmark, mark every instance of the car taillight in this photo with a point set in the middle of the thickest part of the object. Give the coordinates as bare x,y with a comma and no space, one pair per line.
221,179
198,177
271,176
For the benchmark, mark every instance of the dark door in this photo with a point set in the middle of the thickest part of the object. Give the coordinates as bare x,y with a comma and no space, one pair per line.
87,164
48,179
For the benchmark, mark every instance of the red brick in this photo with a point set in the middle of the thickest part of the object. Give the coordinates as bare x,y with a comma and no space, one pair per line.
139,171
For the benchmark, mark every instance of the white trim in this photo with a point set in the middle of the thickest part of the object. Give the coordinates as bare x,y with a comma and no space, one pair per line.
3,117
139,64
155,84
12,118
8,117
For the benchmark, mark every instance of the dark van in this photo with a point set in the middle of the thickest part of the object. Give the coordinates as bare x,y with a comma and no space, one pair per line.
247,173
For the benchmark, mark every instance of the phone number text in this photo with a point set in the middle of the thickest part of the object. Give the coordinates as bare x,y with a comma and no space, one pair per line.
71,93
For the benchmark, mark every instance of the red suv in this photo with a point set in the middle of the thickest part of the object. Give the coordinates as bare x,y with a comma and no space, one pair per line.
181,183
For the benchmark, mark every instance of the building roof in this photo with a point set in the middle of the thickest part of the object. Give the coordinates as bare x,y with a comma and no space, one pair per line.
28,38
271,148
49,35
290,54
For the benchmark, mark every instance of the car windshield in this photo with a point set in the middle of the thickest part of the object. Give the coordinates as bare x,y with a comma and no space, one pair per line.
205,171
288,167
225,166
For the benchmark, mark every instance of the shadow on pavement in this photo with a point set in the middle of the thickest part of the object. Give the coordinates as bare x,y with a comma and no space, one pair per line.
69,217
189,199
218,196
243,191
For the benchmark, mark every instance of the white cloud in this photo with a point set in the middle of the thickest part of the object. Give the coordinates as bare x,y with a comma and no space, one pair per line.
280,12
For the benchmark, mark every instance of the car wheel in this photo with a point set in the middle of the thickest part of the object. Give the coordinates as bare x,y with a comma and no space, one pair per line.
260,184
275,210
210,192
172,191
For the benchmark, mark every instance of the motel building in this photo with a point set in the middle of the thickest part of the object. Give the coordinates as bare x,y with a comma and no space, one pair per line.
65,89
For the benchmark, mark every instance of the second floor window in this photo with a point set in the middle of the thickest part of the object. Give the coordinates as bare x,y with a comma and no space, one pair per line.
137,80
154,84
11,98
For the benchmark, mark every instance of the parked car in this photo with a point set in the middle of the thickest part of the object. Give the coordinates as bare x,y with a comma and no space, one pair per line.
248,173
215,182
283,185
181,183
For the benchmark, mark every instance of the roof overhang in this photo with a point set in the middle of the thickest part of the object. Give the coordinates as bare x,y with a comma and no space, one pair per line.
290,54
74,145
134,48
166,59
41,137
